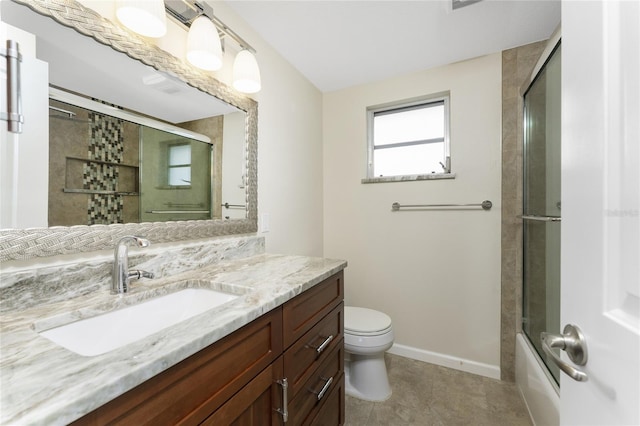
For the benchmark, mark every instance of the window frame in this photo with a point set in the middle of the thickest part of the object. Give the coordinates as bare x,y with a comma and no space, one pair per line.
170,166
389,108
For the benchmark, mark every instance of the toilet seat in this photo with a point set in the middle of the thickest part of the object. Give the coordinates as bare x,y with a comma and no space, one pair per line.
365,322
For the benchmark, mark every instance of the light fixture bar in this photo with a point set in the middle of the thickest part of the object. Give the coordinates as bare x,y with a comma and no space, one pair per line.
200,8
230,33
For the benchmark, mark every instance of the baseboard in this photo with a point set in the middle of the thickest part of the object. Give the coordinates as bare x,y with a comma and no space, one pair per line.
474,367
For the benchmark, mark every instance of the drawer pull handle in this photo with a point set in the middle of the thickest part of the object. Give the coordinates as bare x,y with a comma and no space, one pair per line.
284,411
323,345
324,388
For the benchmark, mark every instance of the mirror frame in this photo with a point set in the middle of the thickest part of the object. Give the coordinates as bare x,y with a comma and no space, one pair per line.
22,244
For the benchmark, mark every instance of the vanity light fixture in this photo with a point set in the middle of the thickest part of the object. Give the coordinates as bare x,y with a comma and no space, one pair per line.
204,46
204,49
145,17
246,74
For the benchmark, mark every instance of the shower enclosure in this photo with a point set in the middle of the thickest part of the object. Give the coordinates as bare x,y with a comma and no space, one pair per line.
542,207
107,168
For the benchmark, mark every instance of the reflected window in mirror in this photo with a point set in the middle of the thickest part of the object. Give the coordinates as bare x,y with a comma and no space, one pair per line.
179,167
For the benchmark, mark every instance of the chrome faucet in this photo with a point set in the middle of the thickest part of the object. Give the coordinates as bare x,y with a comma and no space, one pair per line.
121,274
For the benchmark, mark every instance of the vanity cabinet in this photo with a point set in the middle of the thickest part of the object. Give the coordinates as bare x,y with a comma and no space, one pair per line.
238,380
313,325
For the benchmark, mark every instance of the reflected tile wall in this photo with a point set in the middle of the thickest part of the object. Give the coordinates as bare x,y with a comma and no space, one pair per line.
68,138
88,135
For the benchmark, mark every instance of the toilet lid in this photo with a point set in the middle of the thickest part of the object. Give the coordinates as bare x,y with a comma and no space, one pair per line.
363,320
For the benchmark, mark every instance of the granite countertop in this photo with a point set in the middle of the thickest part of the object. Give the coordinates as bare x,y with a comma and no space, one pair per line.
43,383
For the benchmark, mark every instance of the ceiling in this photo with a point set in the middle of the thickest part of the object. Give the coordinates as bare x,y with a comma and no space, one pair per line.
338,44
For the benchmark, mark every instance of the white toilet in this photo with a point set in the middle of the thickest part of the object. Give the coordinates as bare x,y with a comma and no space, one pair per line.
367,335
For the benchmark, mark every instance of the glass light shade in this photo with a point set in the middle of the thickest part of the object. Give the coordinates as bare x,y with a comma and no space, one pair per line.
145,17
246,74
203,45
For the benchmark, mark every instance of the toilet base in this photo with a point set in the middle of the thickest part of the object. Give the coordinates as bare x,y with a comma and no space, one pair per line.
366,377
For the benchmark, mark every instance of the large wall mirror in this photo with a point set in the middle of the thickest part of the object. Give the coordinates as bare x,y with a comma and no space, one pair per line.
92,59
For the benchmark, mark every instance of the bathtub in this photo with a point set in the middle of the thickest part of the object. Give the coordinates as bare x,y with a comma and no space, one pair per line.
538,389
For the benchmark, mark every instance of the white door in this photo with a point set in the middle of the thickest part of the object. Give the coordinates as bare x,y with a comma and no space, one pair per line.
600,208
24,159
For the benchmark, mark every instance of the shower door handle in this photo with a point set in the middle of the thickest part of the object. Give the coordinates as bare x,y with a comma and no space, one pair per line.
571,341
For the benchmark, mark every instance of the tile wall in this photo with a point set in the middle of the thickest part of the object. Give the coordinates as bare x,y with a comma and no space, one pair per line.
517,65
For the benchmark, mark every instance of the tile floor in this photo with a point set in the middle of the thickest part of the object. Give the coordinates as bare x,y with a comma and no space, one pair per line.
430,395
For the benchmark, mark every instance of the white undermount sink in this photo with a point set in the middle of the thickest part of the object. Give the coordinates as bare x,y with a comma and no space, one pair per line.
103,333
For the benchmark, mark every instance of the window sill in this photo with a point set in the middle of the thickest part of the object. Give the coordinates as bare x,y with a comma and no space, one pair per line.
409,178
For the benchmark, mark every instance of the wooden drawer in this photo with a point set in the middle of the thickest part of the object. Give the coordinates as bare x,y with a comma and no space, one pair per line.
191,390
311,398
332,412
310,351
301,313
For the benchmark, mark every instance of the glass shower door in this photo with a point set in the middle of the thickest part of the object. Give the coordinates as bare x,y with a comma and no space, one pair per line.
541,207
175,177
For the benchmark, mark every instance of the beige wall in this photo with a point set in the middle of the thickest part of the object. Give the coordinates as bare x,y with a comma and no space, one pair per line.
233,166
436,273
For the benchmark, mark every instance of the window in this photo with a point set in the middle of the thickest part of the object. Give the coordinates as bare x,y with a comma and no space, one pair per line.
179,165
410,138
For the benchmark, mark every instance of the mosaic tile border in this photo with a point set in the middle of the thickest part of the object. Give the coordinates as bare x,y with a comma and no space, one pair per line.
106,144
